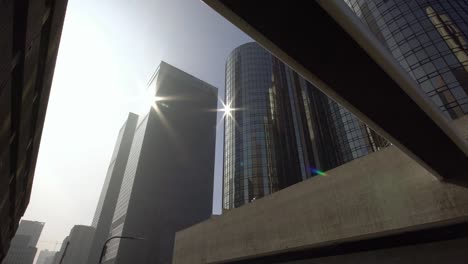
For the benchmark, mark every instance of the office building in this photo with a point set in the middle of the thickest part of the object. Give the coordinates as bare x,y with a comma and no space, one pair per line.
168,181
430,41
76,246
29,38
23,245
282,129
110,191
46,257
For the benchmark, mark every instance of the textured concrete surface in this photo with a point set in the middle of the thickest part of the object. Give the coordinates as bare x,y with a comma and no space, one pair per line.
462,125
383,193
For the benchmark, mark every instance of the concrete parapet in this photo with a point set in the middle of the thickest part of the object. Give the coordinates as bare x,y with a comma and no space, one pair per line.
381,194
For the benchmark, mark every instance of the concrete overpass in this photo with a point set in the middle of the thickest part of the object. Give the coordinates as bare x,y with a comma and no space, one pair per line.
381,208
325,42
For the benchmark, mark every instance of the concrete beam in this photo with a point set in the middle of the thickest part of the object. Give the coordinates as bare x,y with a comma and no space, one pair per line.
327,44
385,193
462,126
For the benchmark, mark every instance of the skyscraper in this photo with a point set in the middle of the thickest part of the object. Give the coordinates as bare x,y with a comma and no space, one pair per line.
430,41
23,245
168,180
281,129
29,41
110,190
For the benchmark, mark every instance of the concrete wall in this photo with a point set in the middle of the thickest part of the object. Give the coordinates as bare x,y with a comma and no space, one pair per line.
462,125
451,251
383,193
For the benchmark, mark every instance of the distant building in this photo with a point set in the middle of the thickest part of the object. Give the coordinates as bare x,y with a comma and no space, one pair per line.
282,129
75,247
29,40
50,259
23,245
61,254
110,190
20,255
46,257
168,181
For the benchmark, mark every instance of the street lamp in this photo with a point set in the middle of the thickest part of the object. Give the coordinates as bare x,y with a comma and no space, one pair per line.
104,247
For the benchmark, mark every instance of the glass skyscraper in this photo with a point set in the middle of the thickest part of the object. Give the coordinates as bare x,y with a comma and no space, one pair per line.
282,129
429,40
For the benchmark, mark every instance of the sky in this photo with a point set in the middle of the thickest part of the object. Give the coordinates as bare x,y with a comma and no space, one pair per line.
108,51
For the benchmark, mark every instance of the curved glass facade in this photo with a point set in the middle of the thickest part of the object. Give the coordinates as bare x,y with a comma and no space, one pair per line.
429,40
282,129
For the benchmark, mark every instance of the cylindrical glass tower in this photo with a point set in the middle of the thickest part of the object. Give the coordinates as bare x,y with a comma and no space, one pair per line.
283,129
429,40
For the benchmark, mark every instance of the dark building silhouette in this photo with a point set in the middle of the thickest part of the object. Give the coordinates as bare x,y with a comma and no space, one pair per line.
110,191
29,38
429,40
168,181
282,129
23,245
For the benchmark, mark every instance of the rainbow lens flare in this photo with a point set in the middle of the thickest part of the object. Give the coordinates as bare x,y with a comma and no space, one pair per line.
317,171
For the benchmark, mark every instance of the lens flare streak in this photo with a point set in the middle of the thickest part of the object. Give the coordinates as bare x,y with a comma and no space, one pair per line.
318,172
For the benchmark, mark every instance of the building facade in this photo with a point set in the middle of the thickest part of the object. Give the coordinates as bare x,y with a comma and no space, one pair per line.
29,39
76,246
281,129
110,191
23,245
168,180
429,38
46,257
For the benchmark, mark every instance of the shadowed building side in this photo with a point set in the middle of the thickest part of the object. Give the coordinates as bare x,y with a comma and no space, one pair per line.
168,181
29,39
110,190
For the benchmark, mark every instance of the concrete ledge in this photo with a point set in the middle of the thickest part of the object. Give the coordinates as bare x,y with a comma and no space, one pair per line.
381,194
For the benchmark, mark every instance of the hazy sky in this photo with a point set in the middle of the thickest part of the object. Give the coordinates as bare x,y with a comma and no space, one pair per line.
108,51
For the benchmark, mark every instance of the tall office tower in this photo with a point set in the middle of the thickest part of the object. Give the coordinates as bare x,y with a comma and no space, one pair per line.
46,257
282,129
76,246
110,191
429,40
29,39
23,245
168,181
